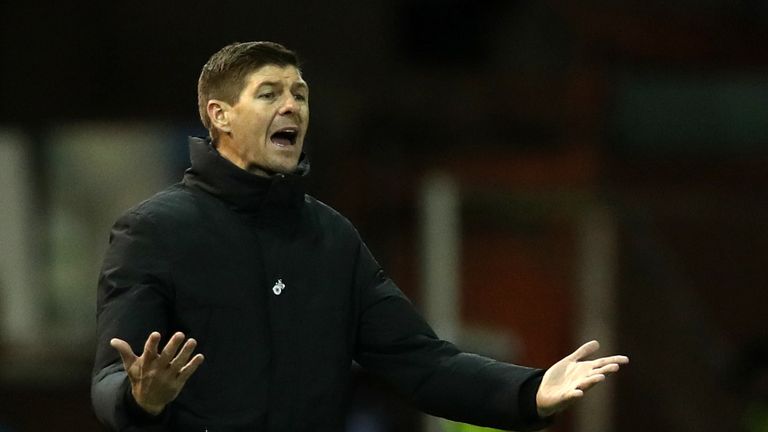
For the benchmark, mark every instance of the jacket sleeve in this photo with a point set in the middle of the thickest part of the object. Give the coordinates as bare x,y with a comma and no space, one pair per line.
394,342
134,294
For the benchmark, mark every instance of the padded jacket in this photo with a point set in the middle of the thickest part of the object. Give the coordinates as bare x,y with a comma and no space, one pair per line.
282,296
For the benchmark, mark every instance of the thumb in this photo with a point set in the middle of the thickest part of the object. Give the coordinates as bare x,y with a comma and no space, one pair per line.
125,351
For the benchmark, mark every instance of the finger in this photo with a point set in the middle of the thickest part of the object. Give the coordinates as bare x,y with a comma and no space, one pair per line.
125,351
585,350
171,348
607,369
191,367
590,381
150,346
183,356
618,359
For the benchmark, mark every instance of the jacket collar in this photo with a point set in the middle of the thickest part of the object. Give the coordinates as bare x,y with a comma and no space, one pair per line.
238,188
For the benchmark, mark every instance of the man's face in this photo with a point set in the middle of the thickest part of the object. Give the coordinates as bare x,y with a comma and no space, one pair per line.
269,120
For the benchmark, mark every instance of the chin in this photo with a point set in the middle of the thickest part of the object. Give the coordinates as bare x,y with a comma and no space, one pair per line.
285,166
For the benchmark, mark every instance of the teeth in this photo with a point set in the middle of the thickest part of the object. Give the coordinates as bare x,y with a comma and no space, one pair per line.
288,134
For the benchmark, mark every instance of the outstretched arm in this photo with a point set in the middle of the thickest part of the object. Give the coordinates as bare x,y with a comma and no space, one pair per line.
394,342
567,380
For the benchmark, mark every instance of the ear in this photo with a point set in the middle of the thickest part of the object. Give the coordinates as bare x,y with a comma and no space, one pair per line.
219,113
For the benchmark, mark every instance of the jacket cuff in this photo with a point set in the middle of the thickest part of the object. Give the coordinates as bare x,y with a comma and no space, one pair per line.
527,400
137,414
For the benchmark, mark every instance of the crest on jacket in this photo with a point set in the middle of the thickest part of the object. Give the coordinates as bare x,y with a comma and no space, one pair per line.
278,287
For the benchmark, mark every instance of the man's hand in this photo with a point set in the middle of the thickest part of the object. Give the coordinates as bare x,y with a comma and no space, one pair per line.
568,379
156,379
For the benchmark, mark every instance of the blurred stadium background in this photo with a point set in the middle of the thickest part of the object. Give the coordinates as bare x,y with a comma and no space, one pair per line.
531,173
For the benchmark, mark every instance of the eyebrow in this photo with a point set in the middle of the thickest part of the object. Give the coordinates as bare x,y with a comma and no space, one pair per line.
299,84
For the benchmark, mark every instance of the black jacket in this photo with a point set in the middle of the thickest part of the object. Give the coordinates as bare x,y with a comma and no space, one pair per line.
208,257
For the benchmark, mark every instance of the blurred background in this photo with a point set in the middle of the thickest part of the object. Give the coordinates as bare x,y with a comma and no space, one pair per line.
533,174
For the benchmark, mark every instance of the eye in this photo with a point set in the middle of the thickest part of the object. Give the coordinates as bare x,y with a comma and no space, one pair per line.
267,95
299,97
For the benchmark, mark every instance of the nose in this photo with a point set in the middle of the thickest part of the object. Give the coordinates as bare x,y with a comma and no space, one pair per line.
289,106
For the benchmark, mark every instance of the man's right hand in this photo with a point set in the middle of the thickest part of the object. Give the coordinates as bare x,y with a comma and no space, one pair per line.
157,378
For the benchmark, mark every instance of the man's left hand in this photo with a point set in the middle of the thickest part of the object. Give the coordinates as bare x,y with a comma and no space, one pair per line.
567,380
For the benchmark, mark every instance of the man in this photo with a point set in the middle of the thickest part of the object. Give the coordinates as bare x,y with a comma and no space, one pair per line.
277,291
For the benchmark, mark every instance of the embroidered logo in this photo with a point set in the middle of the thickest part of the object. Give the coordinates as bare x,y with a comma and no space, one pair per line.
279,287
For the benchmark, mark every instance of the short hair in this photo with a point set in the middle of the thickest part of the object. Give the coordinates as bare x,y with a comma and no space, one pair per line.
223,76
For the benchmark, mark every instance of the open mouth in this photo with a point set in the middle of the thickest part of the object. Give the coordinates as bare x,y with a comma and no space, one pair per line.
285,137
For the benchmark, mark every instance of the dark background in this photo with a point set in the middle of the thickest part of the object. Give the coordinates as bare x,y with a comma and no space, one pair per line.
655,110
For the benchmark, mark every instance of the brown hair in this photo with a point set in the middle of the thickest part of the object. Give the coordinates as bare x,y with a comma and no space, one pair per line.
223,76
